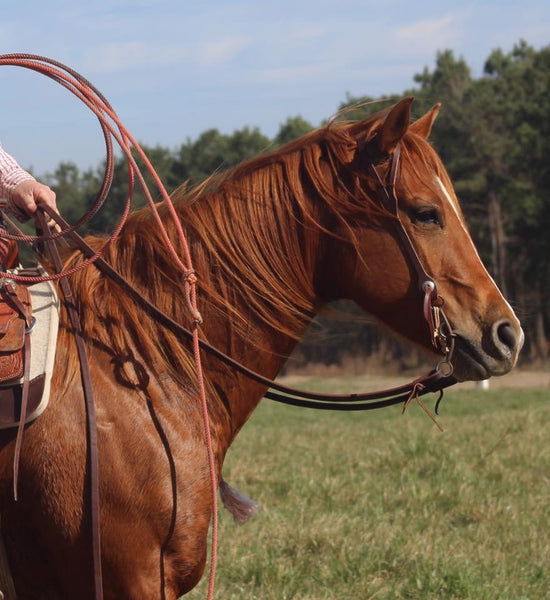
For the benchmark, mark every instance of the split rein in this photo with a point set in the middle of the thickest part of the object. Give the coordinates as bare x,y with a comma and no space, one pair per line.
439,379
440,330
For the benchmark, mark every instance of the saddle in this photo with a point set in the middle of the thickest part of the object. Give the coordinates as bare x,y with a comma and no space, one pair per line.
16,323
28,319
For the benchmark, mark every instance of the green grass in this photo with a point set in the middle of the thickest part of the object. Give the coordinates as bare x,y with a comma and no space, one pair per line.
383,505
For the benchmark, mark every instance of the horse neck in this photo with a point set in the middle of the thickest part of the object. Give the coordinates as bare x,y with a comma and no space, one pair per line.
256,263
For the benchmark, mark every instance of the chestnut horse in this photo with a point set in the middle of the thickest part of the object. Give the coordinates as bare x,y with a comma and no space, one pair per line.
272,240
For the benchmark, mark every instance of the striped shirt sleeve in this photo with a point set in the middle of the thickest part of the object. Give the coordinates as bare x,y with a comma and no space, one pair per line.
11,174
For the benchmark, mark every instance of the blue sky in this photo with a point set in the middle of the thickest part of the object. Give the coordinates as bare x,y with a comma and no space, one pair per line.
173,69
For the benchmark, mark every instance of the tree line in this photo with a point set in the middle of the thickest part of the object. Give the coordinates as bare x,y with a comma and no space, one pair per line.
493,135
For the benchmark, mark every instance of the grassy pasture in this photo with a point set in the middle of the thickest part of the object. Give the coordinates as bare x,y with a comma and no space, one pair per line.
383,505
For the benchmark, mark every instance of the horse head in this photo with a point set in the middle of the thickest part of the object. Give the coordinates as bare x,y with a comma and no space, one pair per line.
391,161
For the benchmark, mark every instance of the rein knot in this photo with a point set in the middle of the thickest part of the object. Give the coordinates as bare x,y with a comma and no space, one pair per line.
417,388
189,278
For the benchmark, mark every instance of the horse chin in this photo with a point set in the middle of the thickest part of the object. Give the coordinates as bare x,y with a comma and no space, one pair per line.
472,363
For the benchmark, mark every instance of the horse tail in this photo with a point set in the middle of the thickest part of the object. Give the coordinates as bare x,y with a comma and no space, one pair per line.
240,506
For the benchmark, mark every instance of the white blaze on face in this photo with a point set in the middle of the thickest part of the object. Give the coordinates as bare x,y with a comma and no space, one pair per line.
452,200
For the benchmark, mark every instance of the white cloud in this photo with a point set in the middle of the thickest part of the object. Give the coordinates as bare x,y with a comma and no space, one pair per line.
223,50
128,55
429,35
300,74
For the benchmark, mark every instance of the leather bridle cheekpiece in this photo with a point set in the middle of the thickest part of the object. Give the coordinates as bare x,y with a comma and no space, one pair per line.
441,333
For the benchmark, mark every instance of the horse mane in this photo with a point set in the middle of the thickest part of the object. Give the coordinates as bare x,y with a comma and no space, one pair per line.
246,229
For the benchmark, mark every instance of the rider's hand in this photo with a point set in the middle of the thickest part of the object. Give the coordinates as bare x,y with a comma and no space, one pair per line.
27,195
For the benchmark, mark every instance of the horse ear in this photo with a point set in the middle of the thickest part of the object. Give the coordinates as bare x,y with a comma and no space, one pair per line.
394,126
423,126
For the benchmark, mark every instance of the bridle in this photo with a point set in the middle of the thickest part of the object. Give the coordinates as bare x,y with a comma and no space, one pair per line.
441,333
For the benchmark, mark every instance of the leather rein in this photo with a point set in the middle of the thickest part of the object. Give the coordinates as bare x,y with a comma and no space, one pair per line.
440,330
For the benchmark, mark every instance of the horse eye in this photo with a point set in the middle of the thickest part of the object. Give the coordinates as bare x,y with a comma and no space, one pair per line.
426,216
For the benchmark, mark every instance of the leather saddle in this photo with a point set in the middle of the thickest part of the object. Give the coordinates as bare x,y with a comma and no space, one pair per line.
29,316
16,323
28,319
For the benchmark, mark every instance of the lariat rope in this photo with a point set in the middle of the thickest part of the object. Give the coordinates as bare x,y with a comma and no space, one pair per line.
113,128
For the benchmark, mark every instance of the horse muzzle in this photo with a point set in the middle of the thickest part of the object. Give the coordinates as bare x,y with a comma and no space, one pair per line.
492,354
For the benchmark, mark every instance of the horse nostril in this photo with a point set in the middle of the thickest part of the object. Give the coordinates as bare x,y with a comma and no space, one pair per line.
505,337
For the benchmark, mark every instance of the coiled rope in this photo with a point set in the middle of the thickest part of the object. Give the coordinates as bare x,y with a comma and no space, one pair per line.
112,127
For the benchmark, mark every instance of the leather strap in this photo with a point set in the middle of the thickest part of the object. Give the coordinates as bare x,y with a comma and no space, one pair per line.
11,400
440,331
391,204
10,294
24,409
91,423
